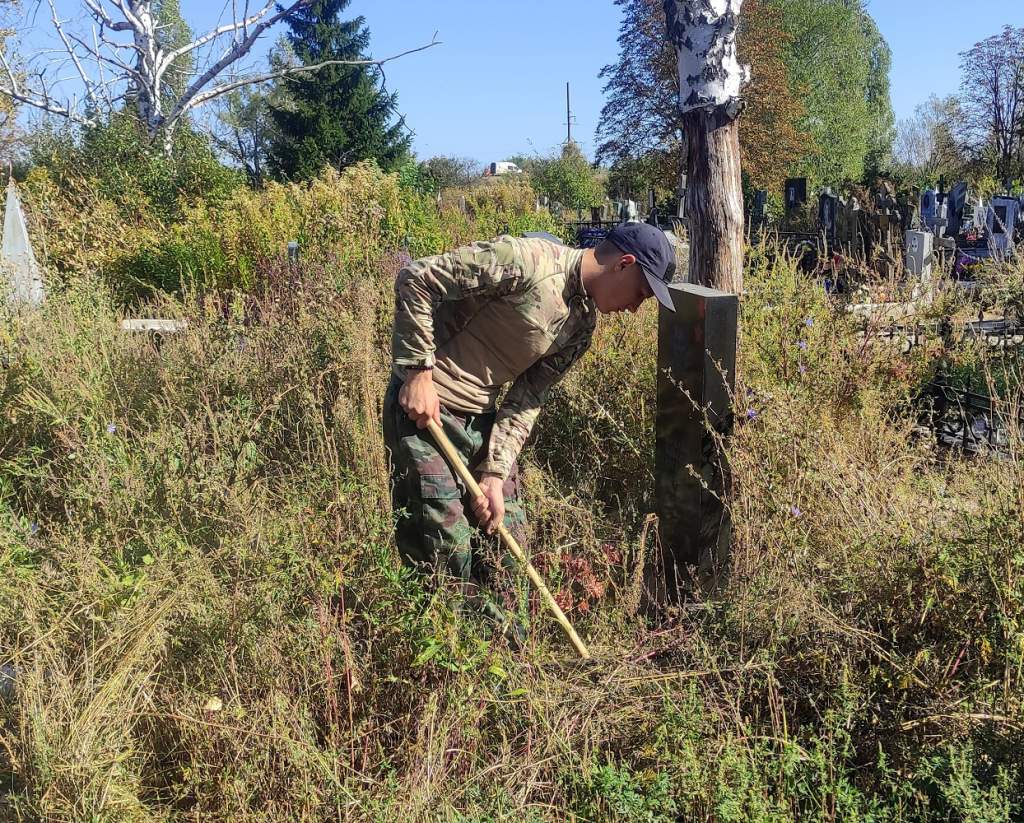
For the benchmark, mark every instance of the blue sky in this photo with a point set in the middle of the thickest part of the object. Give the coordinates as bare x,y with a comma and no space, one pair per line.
496,86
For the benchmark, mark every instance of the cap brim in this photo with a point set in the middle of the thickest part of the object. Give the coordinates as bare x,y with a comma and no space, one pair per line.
660,289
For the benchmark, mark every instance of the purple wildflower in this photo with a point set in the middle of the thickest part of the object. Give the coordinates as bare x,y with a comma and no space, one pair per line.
809,322
795,511
111,428
751,414
802,345
803,369
33,528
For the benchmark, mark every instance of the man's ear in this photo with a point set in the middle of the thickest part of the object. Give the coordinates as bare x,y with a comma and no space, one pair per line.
625,262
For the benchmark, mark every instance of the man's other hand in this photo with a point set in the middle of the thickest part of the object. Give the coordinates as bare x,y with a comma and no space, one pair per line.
490,509
419,398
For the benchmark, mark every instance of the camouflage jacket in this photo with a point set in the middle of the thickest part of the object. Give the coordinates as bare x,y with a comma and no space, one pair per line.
512,310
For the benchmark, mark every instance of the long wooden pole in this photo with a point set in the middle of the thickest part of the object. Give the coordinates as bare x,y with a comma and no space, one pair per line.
466,476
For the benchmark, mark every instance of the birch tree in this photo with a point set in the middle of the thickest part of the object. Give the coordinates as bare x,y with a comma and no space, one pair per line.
121,56
710,80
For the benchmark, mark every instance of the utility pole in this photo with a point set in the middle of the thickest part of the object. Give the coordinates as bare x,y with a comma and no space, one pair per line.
710,78
568,116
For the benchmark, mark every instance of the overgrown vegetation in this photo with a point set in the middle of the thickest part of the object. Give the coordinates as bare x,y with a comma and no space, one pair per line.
107,205
206,619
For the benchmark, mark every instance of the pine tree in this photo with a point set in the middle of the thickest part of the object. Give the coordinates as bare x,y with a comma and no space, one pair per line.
337,115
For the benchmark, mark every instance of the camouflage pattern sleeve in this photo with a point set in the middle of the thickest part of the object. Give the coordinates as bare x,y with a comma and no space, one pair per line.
523,403
483,268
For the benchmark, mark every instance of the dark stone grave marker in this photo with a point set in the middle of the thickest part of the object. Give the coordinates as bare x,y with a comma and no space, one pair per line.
759,210
828,208
696,378
955,209
796,193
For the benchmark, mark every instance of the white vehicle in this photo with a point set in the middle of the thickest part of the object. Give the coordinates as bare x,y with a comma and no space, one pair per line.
498,169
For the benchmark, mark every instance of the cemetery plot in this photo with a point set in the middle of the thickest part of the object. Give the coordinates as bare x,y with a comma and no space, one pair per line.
967,420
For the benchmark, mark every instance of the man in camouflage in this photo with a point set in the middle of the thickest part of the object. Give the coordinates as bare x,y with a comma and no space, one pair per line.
516,311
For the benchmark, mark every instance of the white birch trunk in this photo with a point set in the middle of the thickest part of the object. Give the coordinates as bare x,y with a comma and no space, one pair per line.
710,82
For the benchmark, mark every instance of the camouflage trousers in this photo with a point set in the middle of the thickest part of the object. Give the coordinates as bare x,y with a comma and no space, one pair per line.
435,531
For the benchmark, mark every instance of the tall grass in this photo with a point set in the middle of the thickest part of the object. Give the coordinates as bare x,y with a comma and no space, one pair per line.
207,620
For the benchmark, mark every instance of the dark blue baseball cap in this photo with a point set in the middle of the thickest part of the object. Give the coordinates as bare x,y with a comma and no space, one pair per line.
653,251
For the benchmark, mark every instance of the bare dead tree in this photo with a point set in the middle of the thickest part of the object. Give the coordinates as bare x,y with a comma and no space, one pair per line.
122,58
710,79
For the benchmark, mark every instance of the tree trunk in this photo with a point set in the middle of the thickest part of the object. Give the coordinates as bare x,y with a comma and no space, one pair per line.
714,202
710,78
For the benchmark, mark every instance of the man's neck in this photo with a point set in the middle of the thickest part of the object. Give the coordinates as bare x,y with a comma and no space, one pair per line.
589,269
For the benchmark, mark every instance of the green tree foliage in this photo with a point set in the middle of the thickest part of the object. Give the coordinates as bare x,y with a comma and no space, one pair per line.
640,133
773,139
443,172
879,98
122,166
836,53
244,131
838,116
569,179
174,32
338,115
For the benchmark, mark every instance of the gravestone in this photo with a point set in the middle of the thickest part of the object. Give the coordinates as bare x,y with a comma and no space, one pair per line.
759,210
22,273
908,203
919,258
1000,222
848,226
955,204
980,213
795,193
696,377
887,223
929,209
828,207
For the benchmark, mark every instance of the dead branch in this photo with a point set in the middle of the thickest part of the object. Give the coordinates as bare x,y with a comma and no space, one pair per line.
217,91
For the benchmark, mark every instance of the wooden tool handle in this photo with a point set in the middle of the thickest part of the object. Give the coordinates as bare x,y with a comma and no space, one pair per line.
474,489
